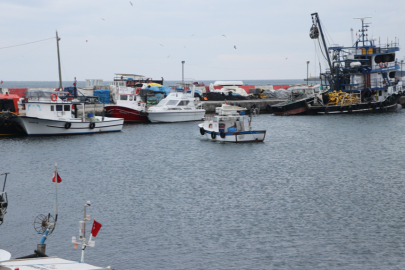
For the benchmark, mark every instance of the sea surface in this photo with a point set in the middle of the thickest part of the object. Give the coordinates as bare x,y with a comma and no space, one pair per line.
322,192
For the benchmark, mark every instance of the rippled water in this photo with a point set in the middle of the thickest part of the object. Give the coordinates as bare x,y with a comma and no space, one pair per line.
322,192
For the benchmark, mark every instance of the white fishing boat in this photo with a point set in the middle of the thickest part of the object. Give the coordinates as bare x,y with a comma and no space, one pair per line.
176,107
228,125
46,113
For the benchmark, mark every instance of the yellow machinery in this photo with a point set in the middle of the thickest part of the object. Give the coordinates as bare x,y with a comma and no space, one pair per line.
340,98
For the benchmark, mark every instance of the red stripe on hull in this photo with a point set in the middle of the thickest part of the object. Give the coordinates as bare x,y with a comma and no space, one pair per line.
296,111
129,115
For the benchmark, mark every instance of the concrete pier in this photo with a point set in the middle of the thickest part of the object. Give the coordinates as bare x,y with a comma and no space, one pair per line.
264,105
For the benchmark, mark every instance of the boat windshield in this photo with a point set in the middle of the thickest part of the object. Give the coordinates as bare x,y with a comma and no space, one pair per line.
183,103
172,102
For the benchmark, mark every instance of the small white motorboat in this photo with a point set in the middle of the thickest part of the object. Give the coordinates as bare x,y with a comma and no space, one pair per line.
176,107
228,125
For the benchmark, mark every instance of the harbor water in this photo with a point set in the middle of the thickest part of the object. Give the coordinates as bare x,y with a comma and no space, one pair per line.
322,192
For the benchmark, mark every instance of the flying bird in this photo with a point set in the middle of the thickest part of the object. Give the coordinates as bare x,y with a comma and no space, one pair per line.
223,35
102,19
193,34
86,40
184,46
234,47
161,45
131,3
168,56
286,58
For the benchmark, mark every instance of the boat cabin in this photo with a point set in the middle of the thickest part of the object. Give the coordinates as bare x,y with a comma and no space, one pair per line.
227,118
128,97
9,103
47,104
177,101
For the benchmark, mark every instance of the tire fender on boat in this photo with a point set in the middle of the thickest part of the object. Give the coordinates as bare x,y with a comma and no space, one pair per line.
213,135
222,134
202,131
68,125
92,125
327,110
349,109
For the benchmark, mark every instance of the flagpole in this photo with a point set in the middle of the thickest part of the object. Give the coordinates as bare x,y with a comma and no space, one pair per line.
56,192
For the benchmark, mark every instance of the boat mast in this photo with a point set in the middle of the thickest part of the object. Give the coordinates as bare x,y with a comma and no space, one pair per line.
60,74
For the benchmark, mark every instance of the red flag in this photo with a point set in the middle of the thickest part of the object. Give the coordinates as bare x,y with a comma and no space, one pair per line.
1,82
56,176
96,228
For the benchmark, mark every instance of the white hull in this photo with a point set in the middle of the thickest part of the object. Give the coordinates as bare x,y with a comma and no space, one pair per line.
34,126
173,116
237,137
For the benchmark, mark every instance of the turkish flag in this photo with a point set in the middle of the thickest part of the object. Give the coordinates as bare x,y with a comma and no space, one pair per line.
56,177
96,228
1,82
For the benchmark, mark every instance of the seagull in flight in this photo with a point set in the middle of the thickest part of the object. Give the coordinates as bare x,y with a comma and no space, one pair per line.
234,47
130,3
102,19
223,35
161,45
168,56
286,58
192,34
86,40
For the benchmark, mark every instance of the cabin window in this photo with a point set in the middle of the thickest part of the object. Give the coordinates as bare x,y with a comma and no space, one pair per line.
172,102
58,108
392,74
66,108
123,97
52,108
380,93
183,103
384,58
131,98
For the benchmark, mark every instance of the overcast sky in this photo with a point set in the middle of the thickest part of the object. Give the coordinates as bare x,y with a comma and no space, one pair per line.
152,37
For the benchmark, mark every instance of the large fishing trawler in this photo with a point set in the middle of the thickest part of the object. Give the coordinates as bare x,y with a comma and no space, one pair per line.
360,78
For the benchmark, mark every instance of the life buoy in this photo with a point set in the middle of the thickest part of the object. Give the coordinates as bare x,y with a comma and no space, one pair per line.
138,90
213,135
327,110
92,125
222,134
202,131
68,125
369,105
349,109
385,64
381,64
356,106
54,97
